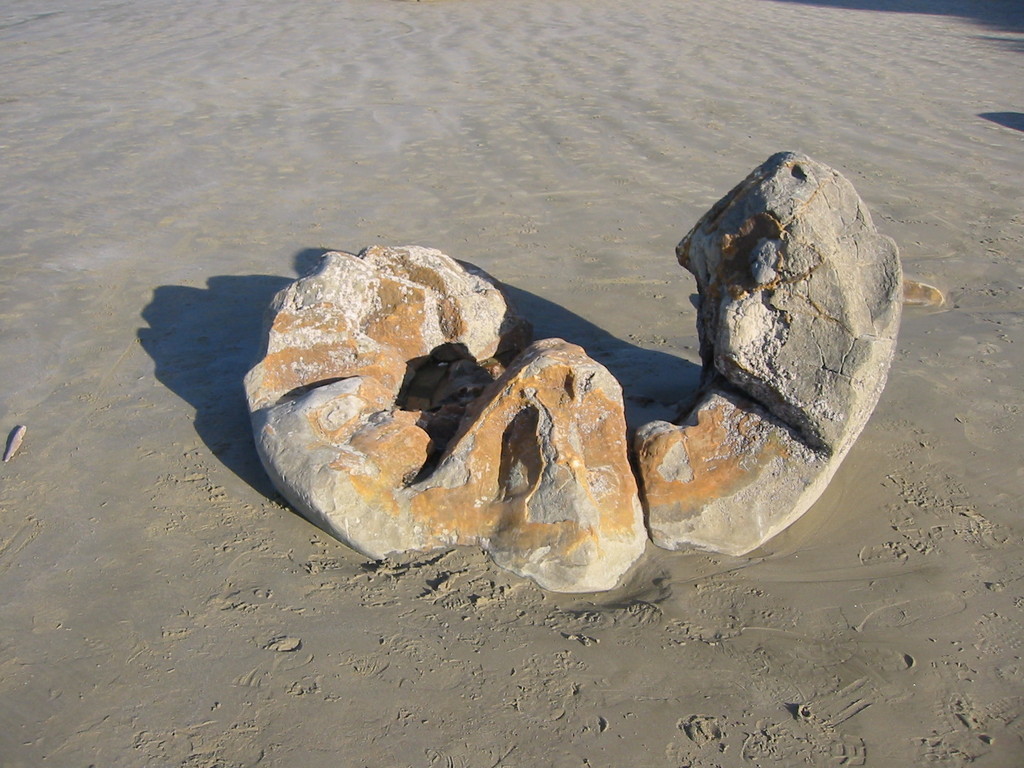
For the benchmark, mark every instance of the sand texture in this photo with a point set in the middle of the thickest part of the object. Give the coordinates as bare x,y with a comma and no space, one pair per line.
169,166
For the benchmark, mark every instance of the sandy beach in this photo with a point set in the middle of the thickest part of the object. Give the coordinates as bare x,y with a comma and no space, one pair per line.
168,166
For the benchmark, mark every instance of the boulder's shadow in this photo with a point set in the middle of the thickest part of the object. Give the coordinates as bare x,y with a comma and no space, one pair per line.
1014,120
1002,17
204,340
654,383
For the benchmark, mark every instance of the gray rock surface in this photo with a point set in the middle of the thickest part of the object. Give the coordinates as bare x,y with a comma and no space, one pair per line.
800,304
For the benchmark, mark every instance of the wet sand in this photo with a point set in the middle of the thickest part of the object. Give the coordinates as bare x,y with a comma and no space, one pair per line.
168,166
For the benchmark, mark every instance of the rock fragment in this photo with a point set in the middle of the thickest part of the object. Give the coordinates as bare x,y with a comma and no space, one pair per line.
728,478
393,408
540,468
800,304
918,294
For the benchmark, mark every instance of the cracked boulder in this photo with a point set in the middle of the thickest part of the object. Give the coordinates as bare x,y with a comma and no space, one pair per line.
398,406
800,300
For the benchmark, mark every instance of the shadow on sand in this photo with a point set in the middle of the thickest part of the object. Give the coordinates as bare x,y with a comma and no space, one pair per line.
1002,16
654,383
1014,120
204,340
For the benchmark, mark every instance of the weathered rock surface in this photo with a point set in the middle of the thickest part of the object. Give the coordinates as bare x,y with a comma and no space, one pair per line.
800,304
728,479
384,412
539,474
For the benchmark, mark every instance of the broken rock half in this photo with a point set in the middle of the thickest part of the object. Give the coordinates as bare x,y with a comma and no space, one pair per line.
398,406
800,300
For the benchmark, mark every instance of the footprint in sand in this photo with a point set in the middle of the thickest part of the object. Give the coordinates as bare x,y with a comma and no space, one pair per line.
973,527
833,709
812,746
999,636
887,552
701,729
903,613
284,644
967,737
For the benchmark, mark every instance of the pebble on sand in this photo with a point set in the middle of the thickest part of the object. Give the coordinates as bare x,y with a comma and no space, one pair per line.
14,441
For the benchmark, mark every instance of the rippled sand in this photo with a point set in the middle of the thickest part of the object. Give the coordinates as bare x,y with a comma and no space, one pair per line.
167,166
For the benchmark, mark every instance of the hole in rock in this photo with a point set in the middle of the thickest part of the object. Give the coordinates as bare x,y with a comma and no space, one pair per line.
798,173
521,460
737,249
441,386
